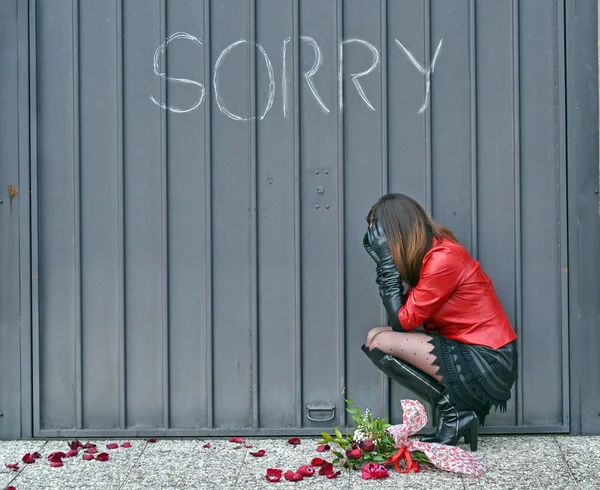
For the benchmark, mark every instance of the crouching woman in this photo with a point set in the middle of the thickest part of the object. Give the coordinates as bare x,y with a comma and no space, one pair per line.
463,360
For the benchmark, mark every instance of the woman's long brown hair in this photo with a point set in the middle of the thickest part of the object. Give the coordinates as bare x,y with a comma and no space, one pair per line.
409,230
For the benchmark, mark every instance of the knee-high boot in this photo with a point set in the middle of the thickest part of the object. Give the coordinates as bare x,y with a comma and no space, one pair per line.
452,423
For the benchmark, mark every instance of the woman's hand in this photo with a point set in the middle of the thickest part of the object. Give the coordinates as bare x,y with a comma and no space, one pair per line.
368,248
378,243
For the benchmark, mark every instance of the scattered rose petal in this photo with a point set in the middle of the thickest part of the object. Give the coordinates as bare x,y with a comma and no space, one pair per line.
317,462
56,464
152,439
91,450
374,471
126,444
332,475
36,455
258,454
323,447
294,440
75,444
88,457
11,488
248,446
13,466
306,470
102,457
28,459
237,440
88,445
56,456
293,476
112,445
207,445
273,474
326,468
72,453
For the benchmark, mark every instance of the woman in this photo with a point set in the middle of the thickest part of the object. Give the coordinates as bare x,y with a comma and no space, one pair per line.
464,361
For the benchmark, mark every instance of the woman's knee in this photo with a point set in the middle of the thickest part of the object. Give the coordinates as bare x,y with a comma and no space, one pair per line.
373,332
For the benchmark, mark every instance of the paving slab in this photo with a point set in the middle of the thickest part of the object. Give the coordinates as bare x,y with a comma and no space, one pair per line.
78,473
13,452
522,462
583,458
187,464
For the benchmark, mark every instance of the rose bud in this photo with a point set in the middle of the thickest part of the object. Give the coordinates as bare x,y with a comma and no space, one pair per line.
354,445
353,453
368,446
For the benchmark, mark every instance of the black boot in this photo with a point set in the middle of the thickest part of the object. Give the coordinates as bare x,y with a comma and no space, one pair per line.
453,424
408,376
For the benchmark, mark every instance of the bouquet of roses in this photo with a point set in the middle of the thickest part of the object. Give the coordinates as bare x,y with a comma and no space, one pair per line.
370,446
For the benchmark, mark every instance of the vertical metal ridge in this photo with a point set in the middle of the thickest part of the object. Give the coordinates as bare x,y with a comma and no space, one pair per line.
208,285
564,252
35,235
25,206
428,142
341,285
120,216
385,153
517,190
253,143
297,213
473,129
77,216
164,226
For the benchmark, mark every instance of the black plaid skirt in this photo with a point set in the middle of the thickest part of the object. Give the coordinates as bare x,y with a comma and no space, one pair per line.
476,377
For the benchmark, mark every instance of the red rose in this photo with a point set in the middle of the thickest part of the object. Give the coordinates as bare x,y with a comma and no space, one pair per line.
368,446
354,453
373,471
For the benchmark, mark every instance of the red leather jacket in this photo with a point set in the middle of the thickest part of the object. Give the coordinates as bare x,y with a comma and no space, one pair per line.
455,298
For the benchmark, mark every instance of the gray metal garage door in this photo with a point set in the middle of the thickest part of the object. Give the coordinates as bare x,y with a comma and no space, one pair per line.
201,171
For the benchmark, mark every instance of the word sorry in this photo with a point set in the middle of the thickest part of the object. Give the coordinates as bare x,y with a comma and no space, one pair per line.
308,75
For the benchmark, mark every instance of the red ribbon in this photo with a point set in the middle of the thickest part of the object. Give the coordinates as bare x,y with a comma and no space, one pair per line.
403,453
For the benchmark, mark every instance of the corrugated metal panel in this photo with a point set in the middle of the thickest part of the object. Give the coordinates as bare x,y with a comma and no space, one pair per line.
198,237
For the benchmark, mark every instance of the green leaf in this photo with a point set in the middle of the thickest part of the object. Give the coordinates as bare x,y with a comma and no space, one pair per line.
327,437
338,454
338,434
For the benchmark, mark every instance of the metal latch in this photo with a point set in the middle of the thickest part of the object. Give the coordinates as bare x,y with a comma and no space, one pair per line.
320,407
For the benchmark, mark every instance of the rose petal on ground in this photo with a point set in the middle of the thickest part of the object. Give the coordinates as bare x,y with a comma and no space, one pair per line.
294,440
74,444
317,462
126,444
13,466
72,453
207,445
11,488
56,464
323,447
91,450
293,476
247,446
273,474
102,457
87,445
36,455
152,439
56,457
237,440
306,470
112,445
28,459
258,454
326,468
88,457
331,476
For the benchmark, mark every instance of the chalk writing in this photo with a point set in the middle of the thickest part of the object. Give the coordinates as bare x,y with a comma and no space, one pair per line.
307,75
427,72
157,53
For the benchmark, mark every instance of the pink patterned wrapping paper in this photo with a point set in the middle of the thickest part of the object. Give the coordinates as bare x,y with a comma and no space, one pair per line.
444,457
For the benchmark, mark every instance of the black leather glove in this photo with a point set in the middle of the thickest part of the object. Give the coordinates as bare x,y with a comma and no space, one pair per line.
391,290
